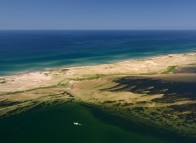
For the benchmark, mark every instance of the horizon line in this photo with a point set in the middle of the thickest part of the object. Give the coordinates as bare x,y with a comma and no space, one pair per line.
99,29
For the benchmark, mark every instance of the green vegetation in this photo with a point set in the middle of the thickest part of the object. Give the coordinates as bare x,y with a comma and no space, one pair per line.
149,73
45,87
97,76
170,69
92,77
2,81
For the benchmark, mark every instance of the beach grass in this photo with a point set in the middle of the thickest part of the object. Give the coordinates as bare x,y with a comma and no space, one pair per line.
96,76
170,69
33,89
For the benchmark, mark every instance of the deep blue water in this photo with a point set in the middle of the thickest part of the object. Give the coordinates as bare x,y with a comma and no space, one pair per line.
23,51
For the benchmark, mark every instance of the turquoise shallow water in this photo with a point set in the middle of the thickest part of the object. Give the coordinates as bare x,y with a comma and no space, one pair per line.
55,124
23,51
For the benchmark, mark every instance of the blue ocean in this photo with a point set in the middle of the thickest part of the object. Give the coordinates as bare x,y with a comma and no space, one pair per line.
26,50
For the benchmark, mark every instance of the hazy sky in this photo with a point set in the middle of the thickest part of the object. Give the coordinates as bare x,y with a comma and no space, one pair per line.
97,14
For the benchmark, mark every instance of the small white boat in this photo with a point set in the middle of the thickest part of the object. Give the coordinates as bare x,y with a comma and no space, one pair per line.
77,124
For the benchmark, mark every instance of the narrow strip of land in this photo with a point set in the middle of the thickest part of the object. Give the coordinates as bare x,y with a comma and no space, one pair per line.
156,91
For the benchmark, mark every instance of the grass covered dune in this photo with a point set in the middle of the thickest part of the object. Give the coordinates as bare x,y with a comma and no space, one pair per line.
157,91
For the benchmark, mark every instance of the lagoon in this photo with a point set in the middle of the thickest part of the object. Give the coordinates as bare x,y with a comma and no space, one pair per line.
56,124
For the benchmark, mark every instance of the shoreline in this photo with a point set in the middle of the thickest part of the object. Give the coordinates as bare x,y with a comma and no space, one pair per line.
71,66
156,65
156,91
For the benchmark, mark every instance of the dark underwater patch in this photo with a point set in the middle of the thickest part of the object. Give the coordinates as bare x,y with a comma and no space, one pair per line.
172,91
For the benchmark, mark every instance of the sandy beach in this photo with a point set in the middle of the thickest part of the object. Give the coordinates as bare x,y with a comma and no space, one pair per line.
153,91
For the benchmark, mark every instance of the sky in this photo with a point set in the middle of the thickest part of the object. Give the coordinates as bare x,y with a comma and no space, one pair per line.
98,14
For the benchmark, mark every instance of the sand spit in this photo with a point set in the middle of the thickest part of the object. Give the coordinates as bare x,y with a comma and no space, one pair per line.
157,91
149,66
